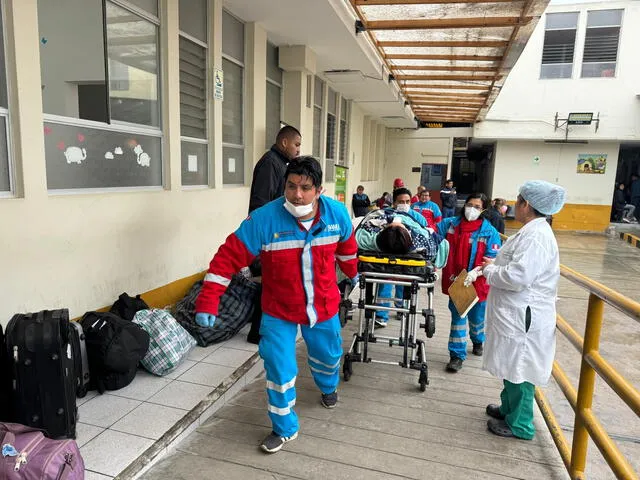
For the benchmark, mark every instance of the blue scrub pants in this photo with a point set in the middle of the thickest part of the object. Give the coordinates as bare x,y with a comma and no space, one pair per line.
458,334
448,212
278,350
384,291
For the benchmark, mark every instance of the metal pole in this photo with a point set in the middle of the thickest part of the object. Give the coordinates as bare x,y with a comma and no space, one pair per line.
586,388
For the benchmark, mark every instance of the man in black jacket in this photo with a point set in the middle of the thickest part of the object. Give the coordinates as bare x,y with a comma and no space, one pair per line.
449,198
268,174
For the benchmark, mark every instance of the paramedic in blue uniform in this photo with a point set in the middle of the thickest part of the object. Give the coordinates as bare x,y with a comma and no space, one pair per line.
299,238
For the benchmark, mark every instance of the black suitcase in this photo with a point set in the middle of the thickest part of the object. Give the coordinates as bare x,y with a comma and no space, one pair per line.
5,384
80,358
42,370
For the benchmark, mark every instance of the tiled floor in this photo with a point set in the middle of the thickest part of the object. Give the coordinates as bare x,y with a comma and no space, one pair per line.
115,428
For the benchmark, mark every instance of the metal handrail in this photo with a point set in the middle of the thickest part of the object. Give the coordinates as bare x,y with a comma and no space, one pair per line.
586,423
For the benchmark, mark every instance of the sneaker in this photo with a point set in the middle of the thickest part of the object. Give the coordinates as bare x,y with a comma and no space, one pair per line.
454,365
274,442
477,349
329,400
380,323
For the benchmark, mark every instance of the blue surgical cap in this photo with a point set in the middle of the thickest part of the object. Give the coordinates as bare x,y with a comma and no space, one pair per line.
545,197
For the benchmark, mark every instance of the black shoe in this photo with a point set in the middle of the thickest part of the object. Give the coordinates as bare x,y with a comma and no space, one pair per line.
329,400
477,349
500,428
493,410
454,365
274,442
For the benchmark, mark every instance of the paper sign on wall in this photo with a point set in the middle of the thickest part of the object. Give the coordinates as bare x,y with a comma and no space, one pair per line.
232,165
192,163
218,84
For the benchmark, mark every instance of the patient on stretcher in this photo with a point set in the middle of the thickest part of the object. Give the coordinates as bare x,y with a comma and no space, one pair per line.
393,232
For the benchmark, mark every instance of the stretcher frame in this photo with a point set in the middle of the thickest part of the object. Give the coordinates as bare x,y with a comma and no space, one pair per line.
413,348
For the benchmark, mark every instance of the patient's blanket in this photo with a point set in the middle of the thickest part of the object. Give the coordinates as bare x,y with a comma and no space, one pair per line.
424,240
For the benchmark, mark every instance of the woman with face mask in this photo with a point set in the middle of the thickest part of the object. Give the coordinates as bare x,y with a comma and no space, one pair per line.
471,238
495,214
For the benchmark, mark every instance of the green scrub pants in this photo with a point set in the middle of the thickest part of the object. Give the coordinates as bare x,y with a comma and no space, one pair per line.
517,407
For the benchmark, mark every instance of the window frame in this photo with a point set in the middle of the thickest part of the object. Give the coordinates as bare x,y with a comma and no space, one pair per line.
575,41
6,112
120,126
269,141
207,92
586,31
224,144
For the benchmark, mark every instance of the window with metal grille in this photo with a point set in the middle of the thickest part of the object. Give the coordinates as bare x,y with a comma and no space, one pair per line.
233,103
344,131
601,43
318,103
193,92
331,125
559,45
274,94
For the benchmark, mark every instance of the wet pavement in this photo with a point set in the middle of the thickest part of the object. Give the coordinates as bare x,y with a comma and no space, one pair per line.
384,427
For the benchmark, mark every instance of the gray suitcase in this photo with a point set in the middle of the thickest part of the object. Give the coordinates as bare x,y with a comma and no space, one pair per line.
80,358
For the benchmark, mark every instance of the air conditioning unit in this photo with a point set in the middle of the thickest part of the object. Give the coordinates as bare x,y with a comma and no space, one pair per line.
460,143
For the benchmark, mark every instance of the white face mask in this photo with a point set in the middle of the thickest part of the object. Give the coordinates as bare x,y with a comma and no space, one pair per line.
298,210
403,207
471,213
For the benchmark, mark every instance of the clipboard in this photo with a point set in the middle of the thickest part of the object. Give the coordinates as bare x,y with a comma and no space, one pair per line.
464,298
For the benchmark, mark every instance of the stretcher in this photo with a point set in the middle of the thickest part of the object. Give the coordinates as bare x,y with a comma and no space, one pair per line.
415,274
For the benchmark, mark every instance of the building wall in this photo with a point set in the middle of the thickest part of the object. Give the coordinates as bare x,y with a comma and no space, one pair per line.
81,250
527,104
524,112
589,196
411,148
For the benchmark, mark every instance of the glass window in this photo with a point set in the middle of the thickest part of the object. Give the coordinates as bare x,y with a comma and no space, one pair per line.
73,57
193,89
195,163
274,94
559,45
344,131
330,150
193,18
79,154
273,113
83,157
233,103
232,37
318,102
150,6
232,115
5,172
274,72
232,165
601,43
317,131
132,45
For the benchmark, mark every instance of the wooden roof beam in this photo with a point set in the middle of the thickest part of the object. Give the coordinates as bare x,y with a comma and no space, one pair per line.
441,23
411,56
435,86
486,78
449,103
445,68
443,43
433,95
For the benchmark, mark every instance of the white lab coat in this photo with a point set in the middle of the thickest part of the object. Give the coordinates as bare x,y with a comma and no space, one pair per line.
525,274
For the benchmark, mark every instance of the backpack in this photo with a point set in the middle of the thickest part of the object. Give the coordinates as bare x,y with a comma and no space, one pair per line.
27,454
170,343
237,305
115,347
126,306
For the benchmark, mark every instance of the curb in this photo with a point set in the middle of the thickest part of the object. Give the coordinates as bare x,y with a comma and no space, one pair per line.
192,419
631,239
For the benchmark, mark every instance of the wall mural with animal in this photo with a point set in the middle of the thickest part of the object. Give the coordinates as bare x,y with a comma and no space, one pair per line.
79,157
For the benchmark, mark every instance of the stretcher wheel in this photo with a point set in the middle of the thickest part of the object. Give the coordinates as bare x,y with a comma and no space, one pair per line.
347,368
424,379
430,325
